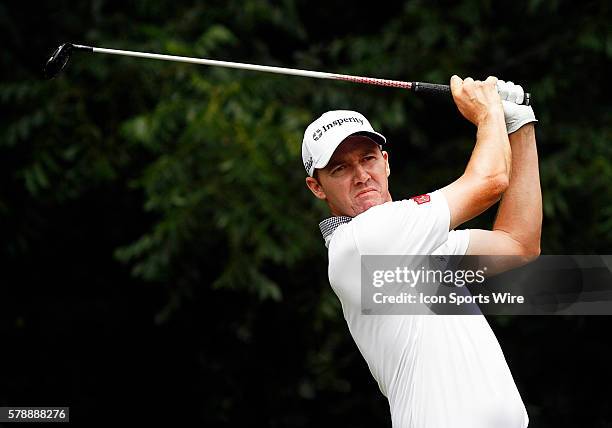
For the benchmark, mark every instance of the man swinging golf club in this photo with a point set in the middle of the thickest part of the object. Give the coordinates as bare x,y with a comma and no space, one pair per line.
436,371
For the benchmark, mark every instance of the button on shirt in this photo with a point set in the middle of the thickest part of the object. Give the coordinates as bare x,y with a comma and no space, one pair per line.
437,371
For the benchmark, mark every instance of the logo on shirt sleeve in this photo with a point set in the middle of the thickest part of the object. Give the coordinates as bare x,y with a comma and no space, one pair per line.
421,199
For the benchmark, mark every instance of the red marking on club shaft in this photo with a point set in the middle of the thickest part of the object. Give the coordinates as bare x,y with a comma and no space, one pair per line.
373,81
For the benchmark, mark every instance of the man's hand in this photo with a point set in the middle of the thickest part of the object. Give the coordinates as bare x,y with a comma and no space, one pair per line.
476,100
517,115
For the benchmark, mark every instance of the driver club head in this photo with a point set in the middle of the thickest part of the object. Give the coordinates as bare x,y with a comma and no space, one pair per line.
58,60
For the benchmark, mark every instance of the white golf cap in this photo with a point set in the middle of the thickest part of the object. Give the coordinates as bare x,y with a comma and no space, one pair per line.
325,134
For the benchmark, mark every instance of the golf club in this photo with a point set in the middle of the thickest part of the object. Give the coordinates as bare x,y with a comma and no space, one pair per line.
61,56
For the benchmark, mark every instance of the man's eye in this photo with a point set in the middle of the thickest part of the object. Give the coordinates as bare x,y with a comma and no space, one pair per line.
370,157
337,169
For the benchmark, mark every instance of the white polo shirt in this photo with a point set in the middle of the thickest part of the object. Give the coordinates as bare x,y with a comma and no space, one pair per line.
437,371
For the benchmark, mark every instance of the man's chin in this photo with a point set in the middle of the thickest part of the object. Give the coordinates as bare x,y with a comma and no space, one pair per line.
366,205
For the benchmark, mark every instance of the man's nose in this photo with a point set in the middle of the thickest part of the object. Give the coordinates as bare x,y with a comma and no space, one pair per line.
361,174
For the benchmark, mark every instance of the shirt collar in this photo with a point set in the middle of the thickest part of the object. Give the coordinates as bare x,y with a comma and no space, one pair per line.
329,226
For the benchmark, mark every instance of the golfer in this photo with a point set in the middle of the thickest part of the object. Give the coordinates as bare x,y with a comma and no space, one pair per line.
436,371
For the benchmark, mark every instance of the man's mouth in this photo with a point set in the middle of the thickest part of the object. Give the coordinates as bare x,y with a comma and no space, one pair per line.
365,191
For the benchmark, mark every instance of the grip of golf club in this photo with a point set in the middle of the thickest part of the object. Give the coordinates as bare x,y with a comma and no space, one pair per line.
430,88
436,89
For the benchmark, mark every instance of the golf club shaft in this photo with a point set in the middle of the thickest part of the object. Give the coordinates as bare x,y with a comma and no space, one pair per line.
420,87
253,67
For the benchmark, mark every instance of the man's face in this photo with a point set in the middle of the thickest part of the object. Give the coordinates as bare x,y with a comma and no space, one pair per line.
355,179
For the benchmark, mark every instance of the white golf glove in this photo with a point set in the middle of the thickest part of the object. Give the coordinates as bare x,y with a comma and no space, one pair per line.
516,115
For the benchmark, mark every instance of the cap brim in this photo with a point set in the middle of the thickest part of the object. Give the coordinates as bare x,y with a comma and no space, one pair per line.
324,160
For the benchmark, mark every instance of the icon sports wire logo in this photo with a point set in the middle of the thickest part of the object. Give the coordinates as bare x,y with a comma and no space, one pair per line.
317,134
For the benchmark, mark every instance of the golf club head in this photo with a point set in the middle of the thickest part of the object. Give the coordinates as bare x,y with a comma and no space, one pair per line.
58,60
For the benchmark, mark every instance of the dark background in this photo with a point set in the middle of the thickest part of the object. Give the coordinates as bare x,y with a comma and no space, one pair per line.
160,254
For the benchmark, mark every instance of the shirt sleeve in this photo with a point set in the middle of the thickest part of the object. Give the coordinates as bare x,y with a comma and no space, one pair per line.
456,244
410,226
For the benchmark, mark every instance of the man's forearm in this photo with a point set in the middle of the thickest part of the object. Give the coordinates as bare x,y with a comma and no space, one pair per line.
486,176
491,157
520,209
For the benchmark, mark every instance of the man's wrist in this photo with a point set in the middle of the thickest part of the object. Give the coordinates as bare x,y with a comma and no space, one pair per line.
526,128
522,135
491,117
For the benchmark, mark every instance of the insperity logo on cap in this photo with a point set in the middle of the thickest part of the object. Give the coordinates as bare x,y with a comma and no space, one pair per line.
325,134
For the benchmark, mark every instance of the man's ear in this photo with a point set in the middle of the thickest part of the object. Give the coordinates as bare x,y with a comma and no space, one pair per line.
315,187
386,158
